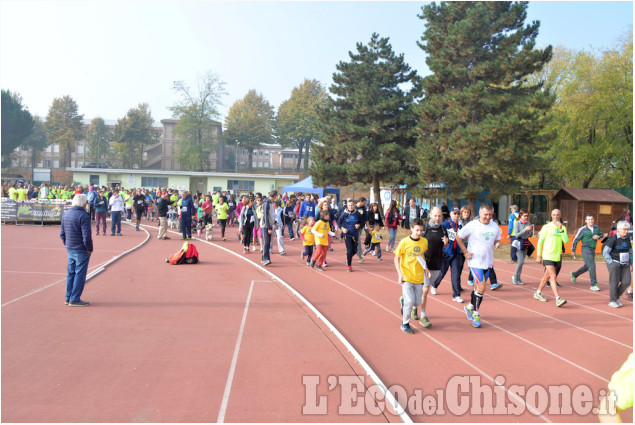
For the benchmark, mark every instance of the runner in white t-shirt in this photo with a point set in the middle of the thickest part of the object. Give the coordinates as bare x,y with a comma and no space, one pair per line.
483,235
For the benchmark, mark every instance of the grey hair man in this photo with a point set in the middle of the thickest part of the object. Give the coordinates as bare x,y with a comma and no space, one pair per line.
618,253
75,232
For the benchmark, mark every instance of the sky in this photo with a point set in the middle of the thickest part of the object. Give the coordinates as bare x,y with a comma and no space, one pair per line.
110,56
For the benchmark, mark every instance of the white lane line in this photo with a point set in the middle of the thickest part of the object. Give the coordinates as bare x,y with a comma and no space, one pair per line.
564,359
20,271
531,408
390,398
50,249
98,269
232,368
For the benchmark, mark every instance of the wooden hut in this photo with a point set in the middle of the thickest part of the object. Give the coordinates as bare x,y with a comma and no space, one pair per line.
606,205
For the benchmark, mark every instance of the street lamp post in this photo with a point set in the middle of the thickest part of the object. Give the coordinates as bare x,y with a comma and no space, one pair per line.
236,156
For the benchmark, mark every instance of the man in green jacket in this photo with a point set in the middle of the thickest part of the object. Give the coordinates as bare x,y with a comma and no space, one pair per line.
588,236
552,236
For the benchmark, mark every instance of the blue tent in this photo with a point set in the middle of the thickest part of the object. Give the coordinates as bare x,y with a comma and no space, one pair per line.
306,186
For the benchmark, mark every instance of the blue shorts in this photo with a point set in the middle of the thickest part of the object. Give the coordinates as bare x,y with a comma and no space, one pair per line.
479,274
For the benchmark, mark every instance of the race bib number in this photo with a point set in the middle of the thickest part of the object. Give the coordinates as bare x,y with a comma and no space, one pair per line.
183,209
140,202
624,257
376,216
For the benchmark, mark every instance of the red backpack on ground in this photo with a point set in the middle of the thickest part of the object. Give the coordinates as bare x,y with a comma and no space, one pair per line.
191,256
188,254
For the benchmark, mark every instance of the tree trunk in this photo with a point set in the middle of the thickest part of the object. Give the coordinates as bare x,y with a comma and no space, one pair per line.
471,203
376,192
306,157
250,165
300,147
141,157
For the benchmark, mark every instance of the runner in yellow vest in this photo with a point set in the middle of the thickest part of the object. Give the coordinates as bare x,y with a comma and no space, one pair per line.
13,193
22,192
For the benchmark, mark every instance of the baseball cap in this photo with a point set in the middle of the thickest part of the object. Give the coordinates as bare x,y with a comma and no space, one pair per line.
455,209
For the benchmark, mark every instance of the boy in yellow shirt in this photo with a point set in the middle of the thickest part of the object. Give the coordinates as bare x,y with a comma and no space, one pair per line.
321,230
308,240
411,267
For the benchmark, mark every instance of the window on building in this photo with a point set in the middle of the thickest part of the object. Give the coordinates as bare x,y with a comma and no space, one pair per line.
72,164
56,149
94,179
154,181
254,164
56,164
47,163
240,185
217,189
259,164
49,148
80,148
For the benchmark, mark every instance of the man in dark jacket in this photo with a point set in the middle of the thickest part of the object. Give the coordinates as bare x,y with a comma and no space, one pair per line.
411,212
162,209
350,222
76,235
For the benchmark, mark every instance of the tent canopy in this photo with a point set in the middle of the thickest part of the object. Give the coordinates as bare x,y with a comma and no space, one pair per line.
306,186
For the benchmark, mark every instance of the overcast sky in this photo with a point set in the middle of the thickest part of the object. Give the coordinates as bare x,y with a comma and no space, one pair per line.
112,55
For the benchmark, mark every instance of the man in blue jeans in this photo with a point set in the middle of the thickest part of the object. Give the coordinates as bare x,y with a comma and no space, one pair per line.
76,235
116,210
187,211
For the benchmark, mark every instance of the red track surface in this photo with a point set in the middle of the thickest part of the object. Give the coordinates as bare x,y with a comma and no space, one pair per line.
157,342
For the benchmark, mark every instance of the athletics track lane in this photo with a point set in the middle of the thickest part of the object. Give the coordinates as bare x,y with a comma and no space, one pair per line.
158,342
527,343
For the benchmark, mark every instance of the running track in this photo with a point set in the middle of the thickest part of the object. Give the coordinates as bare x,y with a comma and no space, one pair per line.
224,340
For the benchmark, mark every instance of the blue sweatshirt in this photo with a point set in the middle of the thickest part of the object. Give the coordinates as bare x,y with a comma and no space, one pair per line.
75,230
188,205
348,220
306,209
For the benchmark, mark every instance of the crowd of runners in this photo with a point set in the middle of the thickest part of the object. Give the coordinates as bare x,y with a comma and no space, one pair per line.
441,239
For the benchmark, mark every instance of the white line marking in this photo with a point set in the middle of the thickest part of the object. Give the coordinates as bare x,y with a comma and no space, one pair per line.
486,321
531,408
391,400
20,271
232,368
100,268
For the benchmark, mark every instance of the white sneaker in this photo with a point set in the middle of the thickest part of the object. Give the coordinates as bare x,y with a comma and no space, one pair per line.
619,303
458,299
614,304
433,290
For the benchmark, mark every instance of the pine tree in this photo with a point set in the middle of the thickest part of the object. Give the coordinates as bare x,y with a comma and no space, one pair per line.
367,125
479,123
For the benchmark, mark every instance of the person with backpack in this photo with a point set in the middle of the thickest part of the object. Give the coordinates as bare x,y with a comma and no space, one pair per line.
511,232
